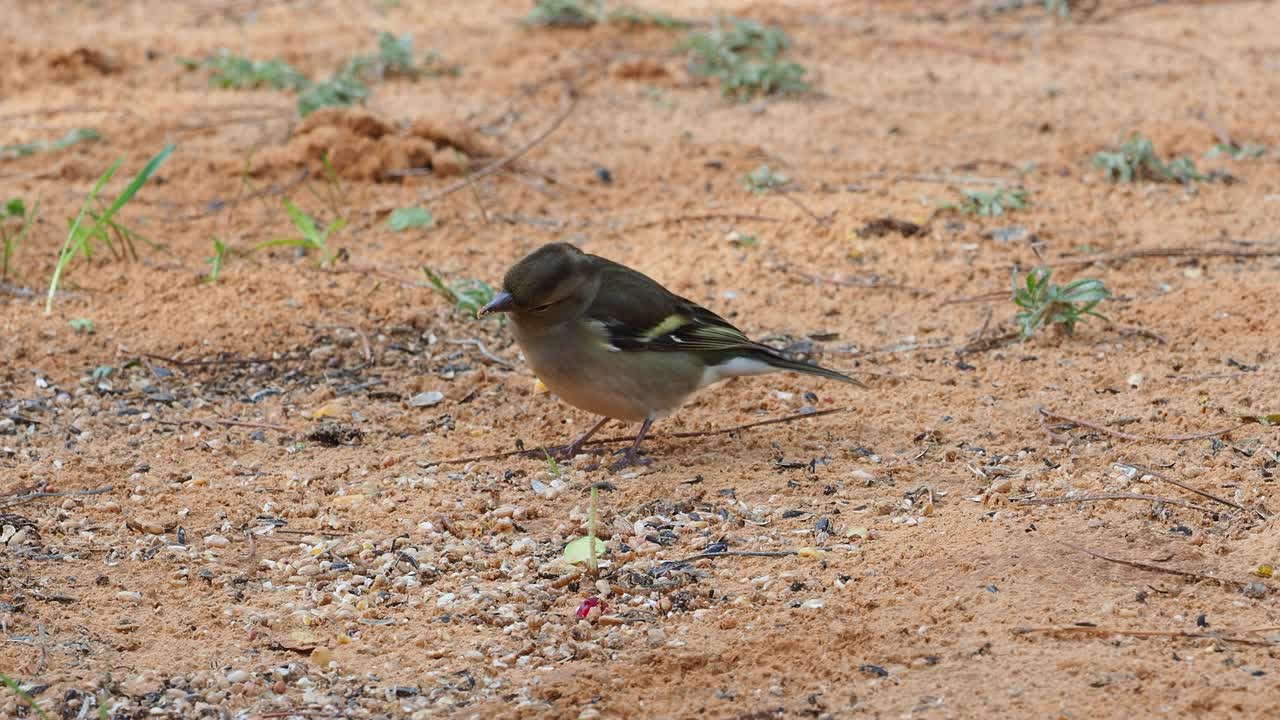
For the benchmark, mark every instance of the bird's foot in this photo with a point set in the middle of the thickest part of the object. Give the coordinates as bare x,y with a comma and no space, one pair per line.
630,458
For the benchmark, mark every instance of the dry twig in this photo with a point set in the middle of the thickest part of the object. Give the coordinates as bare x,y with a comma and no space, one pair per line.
1191,489
1137,438
226,423
1166,252
1094,630
541,451
13,500
223,361
872,282
483,351
737,553
567,100
1114,496
1237,584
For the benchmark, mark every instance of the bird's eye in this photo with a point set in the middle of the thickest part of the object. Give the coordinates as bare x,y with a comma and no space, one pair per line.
540,308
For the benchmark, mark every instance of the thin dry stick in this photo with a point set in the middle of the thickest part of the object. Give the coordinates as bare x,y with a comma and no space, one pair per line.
227,423
737,553
982,344
1166,252
980,53
889,349
483,351
18,499
227,361
872,282
703,217
370,270
1091,630
1137,438
567,99
805,208
364,339
937,178
1191,489
1156,568
541,451
992,296
1115,496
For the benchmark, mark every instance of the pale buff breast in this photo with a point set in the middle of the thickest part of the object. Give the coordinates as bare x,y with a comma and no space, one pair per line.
579,366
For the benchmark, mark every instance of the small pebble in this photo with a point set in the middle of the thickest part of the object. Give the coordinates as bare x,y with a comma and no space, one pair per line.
426,399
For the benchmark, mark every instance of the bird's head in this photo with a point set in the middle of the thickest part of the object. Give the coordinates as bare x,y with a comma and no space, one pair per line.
548,285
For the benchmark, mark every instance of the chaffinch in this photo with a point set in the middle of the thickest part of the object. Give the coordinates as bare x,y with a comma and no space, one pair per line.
612,341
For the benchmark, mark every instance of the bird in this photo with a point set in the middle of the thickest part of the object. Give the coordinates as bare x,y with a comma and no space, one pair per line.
614,342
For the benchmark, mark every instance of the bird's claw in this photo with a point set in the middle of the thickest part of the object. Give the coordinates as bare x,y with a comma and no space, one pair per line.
630,458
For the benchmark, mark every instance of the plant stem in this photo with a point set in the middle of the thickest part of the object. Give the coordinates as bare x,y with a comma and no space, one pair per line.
591,533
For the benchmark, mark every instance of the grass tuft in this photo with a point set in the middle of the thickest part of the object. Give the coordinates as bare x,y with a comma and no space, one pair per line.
990,203
81,236
237,72
1137,160
746,57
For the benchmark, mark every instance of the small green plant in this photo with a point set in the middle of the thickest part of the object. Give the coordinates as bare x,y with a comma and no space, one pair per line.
396,57
587,549
348,86
344,88
635,16
990,203
237,72
467,295
24,695
565,13
14,212
762,180
746,57
1247,151
1044,303
9,152
217,260
411,217
82,235
312,237
1137,160
81,326
553,467
1061,8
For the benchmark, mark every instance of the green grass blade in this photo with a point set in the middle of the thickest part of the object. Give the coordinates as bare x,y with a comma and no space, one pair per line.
138,181
69,247
304,222
14,686
285,242
78,239
11,243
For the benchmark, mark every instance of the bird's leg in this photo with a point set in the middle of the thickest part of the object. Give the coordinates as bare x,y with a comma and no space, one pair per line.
632,454
568,452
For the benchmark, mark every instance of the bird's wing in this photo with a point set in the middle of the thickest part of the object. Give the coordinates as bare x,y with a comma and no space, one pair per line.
662,321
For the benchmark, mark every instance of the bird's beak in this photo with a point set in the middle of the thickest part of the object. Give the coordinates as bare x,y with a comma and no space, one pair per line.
502,302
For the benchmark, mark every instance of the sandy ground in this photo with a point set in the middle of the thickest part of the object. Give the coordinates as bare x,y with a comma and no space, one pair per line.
251,513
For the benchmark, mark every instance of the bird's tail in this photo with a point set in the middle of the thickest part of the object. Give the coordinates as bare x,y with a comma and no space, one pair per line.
776,360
